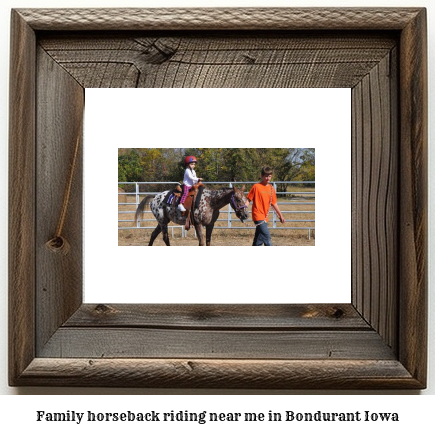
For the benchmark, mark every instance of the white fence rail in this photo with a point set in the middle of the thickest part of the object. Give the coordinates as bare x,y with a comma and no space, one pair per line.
307,200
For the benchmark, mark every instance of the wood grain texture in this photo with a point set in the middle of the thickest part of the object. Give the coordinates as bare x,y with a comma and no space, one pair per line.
270,317
235,60
59,277
220,18
378,342
413,187
375,197
95,342
229,374
21,198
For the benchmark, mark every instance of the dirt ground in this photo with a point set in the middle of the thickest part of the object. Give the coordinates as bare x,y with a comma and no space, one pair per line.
221,237
242,237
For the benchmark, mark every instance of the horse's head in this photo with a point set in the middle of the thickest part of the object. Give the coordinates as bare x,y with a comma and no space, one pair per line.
238,203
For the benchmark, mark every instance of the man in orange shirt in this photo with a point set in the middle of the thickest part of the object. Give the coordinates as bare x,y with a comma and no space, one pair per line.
263,196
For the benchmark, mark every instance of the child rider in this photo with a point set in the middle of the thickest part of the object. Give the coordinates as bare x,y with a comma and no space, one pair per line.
190,179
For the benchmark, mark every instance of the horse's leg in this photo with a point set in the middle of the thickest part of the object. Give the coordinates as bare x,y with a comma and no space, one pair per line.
209,227
199,234
163,218
166,235
208,231
155,234
161,227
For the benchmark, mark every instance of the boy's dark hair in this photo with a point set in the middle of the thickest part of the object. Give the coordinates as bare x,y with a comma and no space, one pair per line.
266,171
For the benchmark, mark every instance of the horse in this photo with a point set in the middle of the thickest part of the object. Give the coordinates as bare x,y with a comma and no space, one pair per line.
205,215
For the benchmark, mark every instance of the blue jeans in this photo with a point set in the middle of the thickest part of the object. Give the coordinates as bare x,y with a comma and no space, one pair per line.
262,235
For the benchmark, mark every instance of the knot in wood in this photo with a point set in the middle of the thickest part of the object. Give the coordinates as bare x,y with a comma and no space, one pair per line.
58,244
103,309
338,313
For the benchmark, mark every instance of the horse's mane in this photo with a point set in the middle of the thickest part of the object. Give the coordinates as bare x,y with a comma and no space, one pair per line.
215,191
220,189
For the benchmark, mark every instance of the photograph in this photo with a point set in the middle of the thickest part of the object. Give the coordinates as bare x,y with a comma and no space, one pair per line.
225,196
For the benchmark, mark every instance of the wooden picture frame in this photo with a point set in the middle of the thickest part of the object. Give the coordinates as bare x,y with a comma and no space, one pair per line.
376,342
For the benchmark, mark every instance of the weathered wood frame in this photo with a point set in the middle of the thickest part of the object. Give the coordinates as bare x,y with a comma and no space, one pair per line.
377,341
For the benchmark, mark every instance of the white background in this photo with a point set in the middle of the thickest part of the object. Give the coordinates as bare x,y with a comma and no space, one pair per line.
309,118
19,411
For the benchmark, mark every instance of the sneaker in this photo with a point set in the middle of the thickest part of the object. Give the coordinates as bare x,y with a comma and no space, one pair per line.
181,207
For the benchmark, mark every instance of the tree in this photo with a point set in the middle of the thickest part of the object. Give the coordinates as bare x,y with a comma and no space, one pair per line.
211,162
216,164
129,168
307,172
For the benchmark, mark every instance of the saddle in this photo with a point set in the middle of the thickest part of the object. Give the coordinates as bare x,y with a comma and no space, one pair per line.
191,203
173,196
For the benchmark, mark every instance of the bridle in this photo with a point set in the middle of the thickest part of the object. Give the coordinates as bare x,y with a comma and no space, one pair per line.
237,208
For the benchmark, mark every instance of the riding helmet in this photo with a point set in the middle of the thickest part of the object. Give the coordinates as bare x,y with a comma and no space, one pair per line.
189,159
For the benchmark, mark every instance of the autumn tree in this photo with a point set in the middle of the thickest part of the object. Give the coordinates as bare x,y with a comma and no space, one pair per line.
129,167
216,164
307,169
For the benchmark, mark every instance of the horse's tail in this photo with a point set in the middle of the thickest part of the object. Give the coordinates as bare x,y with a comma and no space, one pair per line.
141,208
